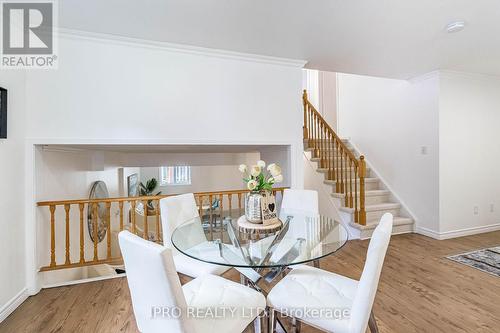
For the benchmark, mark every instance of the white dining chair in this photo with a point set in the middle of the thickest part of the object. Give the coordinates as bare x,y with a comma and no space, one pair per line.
160,304
346,304
303,202
177,210
299,203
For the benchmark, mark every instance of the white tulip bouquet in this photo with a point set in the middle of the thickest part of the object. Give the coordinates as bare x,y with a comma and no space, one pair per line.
257,179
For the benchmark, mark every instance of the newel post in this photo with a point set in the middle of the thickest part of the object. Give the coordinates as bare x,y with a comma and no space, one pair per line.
304,127
362,175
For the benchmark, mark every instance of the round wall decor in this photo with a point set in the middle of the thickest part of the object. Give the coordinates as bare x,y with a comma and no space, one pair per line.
99,190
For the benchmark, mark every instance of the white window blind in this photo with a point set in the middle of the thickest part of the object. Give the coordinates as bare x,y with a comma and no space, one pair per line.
175,175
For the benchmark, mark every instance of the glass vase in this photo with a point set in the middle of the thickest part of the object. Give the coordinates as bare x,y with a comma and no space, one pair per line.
253,201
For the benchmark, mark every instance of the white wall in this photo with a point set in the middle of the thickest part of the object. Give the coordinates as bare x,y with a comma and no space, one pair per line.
12,240
120,91
327,82
389,121
123,93
209,172
469,158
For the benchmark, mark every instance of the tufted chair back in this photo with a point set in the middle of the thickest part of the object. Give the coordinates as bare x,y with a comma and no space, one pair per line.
175,211
303,202
154,285
367,287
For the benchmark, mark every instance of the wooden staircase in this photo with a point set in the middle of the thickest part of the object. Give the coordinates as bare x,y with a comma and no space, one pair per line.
359,195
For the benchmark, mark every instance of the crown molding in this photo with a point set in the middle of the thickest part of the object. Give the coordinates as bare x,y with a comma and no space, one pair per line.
61,149
176,48
469,75
425,77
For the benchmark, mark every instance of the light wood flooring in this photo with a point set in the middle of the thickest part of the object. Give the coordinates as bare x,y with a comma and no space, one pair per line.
419,291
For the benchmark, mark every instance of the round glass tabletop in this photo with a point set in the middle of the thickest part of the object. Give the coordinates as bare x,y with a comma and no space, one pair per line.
301,239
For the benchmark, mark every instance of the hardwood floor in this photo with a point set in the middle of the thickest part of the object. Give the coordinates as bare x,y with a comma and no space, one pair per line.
419,291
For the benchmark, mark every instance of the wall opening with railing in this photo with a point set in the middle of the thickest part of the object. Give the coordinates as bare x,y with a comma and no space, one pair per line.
67,218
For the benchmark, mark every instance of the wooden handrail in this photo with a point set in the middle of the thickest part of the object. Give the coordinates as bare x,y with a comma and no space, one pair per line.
341,164
329,129
147,226
125,199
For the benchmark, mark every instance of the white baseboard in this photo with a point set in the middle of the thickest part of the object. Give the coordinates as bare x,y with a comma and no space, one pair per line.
427,232
73,282
458,232
13,303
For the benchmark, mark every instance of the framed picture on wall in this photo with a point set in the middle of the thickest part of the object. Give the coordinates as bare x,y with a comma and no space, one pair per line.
133,185
3,113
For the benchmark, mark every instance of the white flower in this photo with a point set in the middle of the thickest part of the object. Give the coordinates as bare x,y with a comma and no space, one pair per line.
255,170
278,178
243,168
271,180
251,185
261,164
274,169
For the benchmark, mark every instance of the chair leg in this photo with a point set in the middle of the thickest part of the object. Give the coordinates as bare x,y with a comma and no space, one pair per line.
271,321
372,323
257,325
295,325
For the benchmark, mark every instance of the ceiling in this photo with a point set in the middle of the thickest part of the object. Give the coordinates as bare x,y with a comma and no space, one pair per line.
389,38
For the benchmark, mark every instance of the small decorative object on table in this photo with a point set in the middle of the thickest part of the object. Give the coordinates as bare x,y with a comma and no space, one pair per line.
260,183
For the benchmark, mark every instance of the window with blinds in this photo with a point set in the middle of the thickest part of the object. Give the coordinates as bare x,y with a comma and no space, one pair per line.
175,175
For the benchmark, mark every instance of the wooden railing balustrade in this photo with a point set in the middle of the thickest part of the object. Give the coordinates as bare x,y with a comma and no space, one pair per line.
213,208
341,165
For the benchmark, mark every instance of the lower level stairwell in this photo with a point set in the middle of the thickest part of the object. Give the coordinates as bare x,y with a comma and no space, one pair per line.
358,194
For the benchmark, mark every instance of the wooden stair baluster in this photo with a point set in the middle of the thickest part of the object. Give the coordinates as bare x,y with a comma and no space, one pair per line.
52,209
95,222
108,230
145,230
356,212
66,209
158,225
82,239
306,126
132,216
362,175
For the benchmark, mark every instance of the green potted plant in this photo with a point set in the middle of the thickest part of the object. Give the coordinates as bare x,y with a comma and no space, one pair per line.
147,190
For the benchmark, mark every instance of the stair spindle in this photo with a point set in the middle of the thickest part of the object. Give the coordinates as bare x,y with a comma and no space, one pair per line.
356,217
350,185
108,230
95,221
145,219
306,126
158,226
66,209
81,207
120,204
362,175
132,216
52,209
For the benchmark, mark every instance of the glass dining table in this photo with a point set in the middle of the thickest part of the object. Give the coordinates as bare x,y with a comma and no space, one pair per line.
301,239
